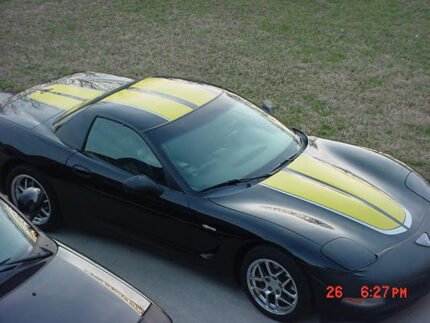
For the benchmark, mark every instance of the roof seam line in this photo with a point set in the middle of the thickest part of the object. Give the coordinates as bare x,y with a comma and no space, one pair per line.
166,96
64,94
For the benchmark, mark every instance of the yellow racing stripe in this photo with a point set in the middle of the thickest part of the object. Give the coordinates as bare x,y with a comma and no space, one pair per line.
187,91
162,107
312,191
349,183
56,100
77,91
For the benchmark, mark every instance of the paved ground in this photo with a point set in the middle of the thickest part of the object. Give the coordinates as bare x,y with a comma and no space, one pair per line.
187,293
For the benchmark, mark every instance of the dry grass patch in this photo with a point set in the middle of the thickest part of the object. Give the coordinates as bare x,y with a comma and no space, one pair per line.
355,71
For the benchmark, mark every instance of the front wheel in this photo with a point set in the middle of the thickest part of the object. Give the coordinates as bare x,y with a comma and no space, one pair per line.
275,284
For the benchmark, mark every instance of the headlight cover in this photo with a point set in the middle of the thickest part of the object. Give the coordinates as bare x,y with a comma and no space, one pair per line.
348,254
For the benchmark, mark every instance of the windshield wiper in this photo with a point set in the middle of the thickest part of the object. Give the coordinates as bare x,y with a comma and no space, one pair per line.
304,141
237,181
304,144
249,179
282,165
10,263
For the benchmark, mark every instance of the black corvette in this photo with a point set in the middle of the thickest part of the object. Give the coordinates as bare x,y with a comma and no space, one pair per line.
197,168
42,280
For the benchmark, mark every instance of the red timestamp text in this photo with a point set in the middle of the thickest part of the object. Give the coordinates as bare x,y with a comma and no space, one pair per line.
376,291
334,292
383,291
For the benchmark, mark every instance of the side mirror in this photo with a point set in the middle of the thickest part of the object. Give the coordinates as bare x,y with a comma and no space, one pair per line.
142,184
30,202
268,107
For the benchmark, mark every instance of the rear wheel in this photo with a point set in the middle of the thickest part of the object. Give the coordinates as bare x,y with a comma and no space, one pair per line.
23,177
275,284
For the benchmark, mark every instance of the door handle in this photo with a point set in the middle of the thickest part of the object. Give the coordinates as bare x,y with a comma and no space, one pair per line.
209,228
81,171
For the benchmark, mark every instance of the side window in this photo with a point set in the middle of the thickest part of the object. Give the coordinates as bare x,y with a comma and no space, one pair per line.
122,147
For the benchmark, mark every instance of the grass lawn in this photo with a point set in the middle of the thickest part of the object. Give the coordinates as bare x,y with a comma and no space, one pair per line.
354,71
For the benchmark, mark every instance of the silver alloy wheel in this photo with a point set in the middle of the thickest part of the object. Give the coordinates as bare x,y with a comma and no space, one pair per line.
272,286
19,184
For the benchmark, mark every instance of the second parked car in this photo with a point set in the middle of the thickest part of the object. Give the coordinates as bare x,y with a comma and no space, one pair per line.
43,281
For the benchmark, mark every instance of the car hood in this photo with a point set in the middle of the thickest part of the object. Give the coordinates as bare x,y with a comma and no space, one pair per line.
71,288
336,190
46,101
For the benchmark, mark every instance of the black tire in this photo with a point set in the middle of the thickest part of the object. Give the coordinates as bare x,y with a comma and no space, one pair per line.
54,218
303,303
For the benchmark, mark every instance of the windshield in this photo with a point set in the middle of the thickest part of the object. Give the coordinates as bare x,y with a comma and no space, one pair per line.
17,238
227,139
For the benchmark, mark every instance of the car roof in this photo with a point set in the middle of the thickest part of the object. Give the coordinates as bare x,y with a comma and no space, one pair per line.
155,101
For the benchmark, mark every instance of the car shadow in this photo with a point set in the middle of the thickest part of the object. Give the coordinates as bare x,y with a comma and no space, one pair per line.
169,278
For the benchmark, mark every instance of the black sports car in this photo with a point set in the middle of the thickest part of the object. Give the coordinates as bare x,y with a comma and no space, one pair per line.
200,169
41,280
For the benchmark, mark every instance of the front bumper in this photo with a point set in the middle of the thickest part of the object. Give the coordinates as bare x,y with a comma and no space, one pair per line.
403,271
356,308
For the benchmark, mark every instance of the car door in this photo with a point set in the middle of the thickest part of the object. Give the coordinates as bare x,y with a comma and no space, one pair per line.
114,152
